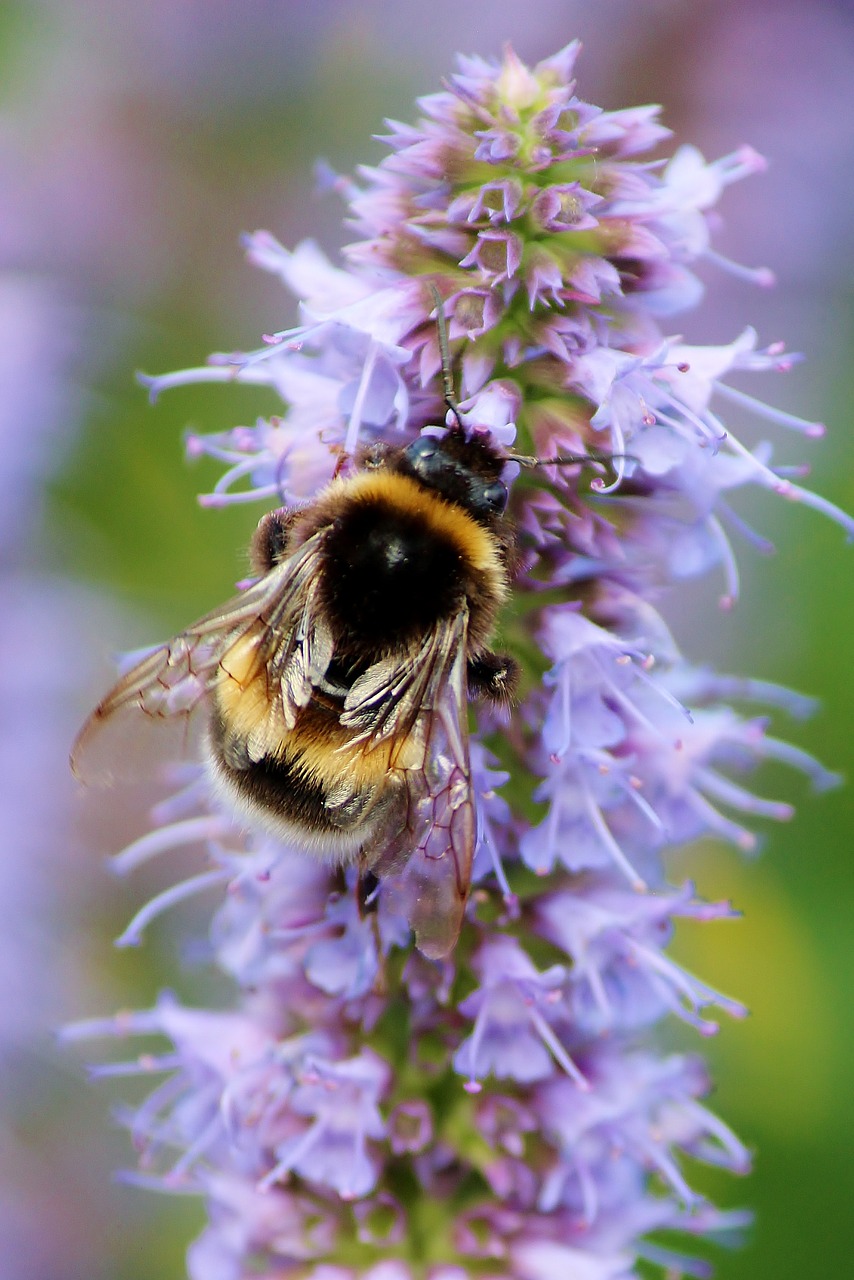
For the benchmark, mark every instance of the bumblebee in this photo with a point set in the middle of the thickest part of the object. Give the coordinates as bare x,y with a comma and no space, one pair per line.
336,687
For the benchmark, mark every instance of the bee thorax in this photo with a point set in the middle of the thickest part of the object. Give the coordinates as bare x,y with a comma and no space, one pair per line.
388,578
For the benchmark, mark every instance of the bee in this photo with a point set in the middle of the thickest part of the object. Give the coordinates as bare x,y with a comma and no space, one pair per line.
336,686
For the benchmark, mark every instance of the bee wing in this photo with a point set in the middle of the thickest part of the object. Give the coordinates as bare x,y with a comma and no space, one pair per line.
277,616
425,853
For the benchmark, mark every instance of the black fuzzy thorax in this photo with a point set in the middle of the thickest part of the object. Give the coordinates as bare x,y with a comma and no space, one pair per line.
388,577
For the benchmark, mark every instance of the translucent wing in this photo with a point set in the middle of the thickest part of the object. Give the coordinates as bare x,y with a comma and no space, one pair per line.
424,853
276,625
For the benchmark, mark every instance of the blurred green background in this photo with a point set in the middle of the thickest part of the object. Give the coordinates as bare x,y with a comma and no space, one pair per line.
136,143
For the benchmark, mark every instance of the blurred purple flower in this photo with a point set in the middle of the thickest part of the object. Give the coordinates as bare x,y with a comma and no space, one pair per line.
48,627
357,1085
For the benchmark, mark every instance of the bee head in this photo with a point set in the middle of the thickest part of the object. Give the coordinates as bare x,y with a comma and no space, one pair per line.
465,469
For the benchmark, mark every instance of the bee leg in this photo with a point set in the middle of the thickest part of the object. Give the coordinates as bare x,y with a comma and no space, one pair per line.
368,891
271,540
493,676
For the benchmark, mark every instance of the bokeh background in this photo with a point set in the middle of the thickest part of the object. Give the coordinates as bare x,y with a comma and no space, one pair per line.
136,142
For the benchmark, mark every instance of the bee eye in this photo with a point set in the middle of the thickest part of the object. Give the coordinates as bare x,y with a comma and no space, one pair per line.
494,497
421,449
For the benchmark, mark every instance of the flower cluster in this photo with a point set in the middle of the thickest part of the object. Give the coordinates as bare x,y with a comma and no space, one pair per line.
363,1111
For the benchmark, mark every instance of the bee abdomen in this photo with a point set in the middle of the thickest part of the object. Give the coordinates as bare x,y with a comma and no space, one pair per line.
296,803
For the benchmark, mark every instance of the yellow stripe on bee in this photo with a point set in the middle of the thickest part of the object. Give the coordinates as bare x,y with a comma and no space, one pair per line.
243,697
317,745
335,760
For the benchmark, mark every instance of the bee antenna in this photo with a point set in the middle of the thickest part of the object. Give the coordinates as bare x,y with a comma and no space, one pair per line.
444,351
572,459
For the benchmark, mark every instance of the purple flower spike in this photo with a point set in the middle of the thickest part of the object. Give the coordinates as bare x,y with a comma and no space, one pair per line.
362,1112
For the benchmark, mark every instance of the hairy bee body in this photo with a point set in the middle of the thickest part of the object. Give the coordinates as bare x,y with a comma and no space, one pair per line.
337,685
